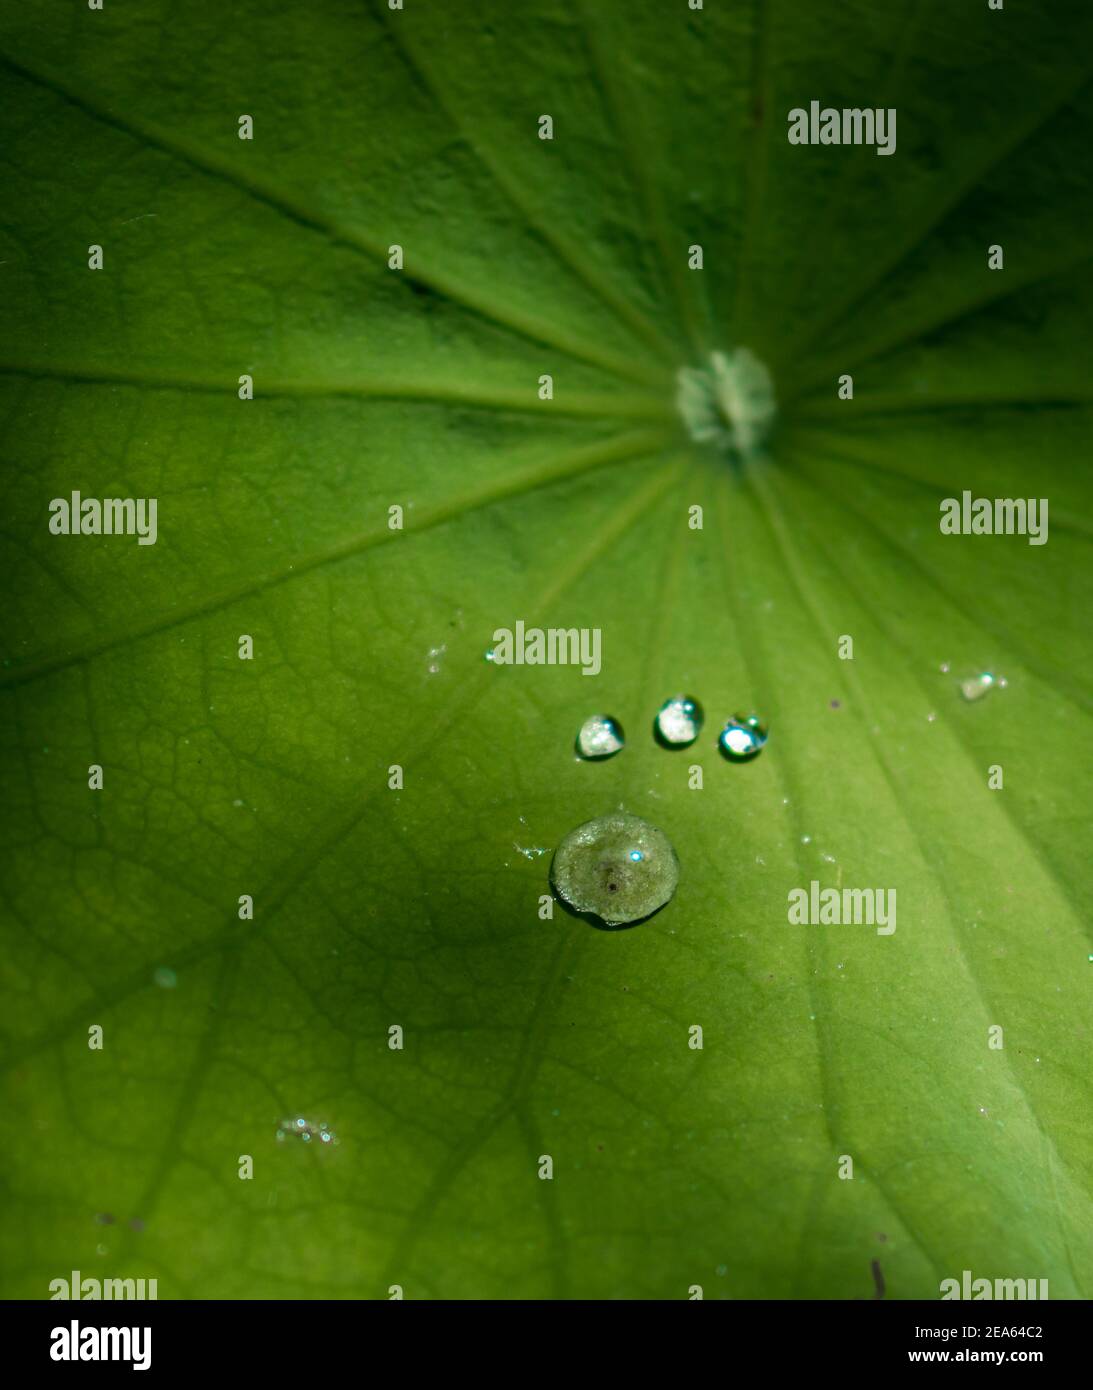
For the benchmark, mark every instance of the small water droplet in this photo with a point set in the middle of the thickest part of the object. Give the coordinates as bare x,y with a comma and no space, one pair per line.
722,1270
930,717
165,978
305,1131
806,839
601,736
975,687
743,737
617,867
679,721
944,668
100,1249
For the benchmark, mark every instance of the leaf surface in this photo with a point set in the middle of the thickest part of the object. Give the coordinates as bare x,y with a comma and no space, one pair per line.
419,907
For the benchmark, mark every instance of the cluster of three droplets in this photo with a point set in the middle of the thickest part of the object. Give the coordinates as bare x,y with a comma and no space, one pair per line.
678,724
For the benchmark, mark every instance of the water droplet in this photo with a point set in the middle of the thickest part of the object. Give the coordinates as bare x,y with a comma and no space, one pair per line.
529,851
931,717
975,687
944,668
806,839
617,867
165,978
600,737
742,738
679,721
305,1131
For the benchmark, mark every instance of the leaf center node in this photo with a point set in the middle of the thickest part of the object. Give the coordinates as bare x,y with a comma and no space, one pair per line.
729,403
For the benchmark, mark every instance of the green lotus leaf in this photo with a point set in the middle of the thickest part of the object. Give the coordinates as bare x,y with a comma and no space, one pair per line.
314,882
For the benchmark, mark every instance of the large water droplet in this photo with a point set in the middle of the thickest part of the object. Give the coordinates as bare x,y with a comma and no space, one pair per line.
617,867
600,737
742,738
679,721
